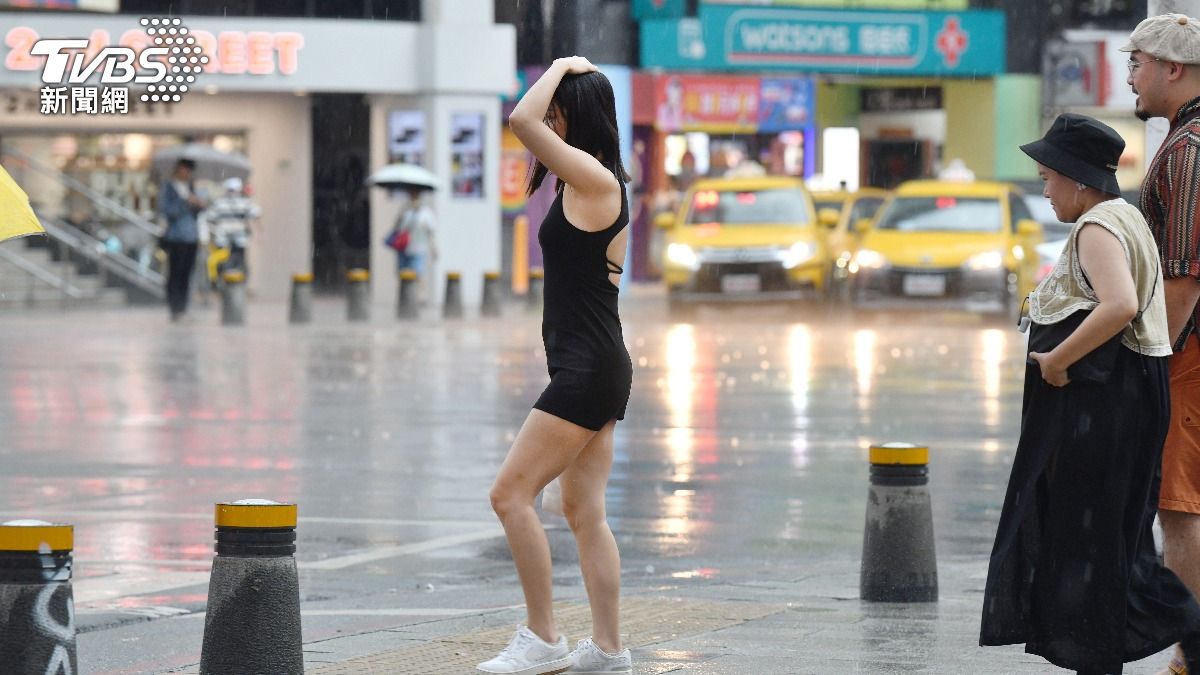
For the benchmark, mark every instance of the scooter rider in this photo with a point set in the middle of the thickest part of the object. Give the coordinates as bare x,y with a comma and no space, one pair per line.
231,218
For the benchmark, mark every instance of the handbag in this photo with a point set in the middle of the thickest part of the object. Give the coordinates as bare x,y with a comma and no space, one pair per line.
1095,367
397,240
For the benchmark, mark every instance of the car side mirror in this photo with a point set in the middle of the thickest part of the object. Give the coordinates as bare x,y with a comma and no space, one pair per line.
664,220
828,218
1029,228
863,225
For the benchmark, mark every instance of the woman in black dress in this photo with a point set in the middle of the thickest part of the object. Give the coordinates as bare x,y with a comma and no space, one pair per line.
568,121
1073,571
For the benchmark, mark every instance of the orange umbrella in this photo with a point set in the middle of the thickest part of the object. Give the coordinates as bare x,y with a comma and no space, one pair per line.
16,216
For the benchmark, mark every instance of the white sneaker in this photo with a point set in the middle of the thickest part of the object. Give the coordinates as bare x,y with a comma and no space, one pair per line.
588,659
527,654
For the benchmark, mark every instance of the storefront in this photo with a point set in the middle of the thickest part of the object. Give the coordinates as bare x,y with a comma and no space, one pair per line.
255,96
689,125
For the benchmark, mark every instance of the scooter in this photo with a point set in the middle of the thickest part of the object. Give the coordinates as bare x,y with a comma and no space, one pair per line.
228,238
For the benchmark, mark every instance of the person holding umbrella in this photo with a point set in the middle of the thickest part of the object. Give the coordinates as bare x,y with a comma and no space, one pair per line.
413,238
180,205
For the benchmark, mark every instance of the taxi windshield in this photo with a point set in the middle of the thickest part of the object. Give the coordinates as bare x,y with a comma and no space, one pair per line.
941,214
781,206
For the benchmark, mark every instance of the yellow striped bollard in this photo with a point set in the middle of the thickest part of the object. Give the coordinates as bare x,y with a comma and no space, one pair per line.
899,563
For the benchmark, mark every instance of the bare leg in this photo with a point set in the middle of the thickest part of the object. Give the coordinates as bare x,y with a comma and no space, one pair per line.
544,447
583,485
1181,549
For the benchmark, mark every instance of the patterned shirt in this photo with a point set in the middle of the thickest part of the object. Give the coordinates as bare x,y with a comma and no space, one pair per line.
1171,202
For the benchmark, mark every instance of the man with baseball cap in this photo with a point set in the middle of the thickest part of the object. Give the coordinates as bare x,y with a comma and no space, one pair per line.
1164,71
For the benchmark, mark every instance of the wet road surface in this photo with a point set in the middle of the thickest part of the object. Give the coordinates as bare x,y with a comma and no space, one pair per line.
741,464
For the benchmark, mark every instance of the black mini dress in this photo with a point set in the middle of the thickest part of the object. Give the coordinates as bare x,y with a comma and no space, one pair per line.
590,369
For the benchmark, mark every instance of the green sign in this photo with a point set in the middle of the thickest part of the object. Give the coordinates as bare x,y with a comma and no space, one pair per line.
866,42
658,9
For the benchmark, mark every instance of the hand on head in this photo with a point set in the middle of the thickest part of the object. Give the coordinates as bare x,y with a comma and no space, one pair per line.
577,65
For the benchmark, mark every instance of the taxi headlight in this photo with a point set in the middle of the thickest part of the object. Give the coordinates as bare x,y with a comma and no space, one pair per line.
799,253
984,262
683,256
866,259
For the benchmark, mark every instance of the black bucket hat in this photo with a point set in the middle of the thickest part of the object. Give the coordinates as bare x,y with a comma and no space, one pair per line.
1082,149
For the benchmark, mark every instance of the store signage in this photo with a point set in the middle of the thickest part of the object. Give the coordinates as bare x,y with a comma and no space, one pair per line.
245,53
228,52
900,99
786,104
733,104
968,43
658,9
718,103
1074,74
955,5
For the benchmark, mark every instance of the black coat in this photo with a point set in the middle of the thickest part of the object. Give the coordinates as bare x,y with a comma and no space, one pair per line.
1073,573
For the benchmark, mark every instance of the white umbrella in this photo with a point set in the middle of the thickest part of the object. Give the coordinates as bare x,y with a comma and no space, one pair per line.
211,164
405,176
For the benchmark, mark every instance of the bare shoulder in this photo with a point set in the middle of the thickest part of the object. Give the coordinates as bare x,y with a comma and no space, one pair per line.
593,211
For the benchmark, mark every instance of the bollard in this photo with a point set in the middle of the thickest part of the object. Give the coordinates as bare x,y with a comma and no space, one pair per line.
491,294
252,623
357,295
301,309
533,297
899,563
407,306
453,309
233,299
37,604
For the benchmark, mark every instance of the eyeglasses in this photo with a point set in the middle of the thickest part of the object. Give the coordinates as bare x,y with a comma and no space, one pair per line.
1134,65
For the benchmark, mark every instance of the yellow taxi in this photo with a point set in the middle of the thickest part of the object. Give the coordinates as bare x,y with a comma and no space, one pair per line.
971,245
840,211
744,238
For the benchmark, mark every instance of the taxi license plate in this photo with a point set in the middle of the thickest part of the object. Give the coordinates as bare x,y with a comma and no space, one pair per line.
924,284
740,283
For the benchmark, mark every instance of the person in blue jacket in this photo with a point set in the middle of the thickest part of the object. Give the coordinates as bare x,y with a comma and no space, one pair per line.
179,205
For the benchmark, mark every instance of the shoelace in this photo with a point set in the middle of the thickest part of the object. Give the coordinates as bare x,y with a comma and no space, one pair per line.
518,641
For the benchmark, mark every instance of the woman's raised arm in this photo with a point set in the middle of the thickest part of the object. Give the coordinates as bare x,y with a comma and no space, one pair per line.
575,167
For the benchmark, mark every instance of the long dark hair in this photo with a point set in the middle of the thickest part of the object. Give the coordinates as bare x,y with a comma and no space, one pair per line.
587,102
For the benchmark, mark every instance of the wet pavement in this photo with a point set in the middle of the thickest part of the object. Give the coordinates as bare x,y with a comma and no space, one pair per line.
739,482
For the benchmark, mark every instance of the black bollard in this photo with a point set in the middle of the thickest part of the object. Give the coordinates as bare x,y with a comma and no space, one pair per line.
537,280
899,563
491,294
233,299
407,305
358,291
301,308
453,307
37,604
252,623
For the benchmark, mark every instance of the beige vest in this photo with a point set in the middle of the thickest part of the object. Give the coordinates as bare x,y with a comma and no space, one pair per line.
1066,290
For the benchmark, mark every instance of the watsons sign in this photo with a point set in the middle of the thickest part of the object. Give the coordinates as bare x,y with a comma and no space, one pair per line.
825,38
868,42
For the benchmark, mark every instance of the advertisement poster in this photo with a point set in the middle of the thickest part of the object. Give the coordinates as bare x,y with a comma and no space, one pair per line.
712,103
466,155
514,173
406,137
785,104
